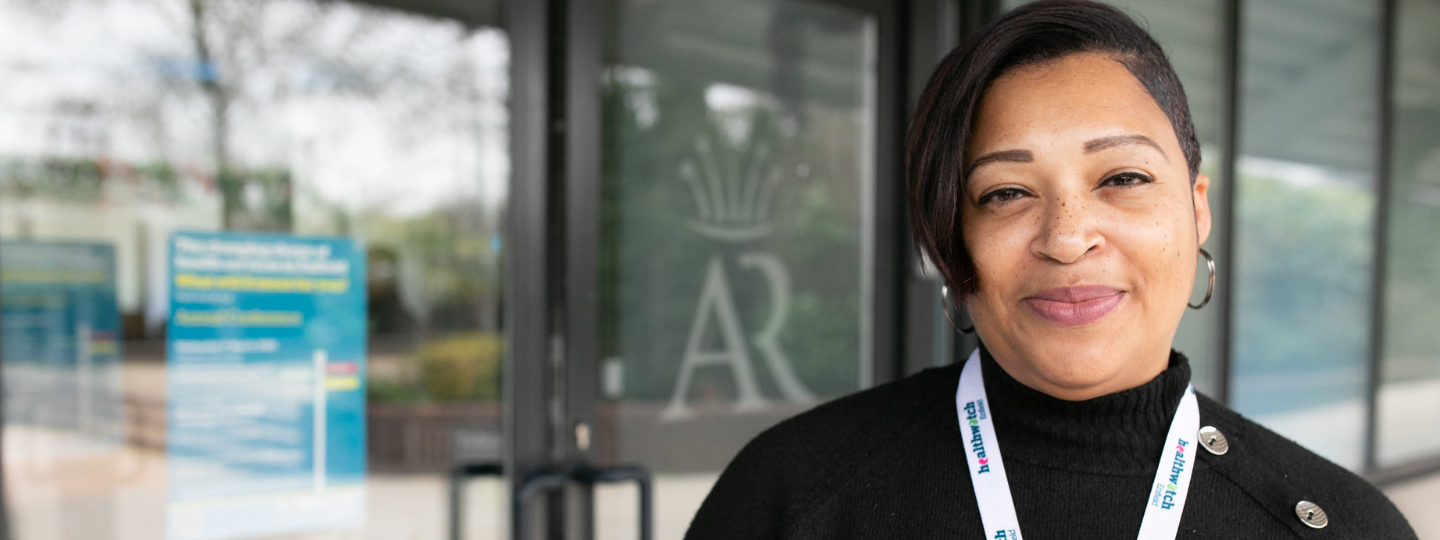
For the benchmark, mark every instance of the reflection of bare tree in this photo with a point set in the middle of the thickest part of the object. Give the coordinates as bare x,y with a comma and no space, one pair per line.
232,28
263,53
220,84
210,82
307,116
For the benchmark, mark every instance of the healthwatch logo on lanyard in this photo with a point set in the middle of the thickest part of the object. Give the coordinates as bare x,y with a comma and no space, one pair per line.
992,489
974,413
1165,493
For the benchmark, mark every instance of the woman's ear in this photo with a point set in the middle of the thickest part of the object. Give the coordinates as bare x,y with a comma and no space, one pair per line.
1200,194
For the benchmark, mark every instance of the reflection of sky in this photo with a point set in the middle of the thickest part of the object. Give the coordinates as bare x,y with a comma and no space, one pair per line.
370,109
1301,175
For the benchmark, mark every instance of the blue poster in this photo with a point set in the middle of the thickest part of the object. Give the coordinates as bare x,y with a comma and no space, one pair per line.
61,338
266,371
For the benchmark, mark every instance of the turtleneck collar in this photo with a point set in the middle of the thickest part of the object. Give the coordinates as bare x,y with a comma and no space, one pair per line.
1118,434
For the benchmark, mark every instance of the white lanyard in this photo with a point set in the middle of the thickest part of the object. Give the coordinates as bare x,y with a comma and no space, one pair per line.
992,489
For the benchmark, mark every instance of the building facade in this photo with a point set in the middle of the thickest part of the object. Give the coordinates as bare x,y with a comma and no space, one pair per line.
501,269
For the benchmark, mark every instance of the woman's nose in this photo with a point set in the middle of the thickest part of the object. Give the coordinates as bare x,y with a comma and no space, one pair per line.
1067,231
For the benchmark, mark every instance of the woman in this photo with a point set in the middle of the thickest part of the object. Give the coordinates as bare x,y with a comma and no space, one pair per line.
1054,181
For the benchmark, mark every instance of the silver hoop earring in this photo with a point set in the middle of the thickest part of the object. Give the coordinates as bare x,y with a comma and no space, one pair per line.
1209,289
945,304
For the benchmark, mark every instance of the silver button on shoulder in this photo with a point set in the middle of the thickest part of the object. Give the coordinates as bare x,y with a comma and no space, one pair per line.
1311,514
1214,441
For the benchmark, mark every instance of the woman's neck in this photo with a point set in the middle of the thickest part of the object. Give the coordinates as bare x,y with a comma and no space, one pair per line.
1117,433
1132,373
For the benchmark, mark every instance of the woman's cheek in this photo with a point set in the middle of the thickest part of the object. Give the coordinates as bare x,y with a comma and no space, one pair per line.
1162,253
1001,254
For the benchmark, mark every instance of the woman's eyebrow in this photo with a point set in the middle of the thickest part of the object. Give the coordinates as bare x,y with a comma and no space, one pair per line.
1003,156
1096,145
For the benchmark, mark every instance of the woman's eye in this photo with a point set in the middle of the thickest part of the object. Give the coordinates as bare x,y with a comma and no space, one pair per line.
1002,195
1128,179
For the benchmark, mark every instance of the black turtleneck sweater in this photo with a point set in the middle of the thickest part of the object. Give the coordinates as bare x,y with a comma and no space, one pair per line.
889,463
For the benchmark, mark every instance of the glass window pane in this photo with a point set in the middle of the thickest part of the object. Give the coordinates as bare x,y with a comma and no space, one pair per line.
1304,210
738,178
347,168
1408,418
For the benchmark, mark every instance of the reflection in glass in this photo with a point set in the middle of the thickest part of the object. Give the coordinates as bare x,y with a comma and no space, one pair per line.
1304,210
124,122
1408,416
265,367
61,338
738,172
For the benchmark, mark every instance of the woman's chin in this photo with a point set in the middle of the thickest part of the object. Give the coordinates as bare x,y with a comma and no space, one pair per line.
1075,369
1076,362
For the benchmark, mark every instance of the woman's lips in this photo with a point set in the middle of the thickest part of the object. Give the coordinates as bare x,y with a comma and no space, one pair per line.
1075,306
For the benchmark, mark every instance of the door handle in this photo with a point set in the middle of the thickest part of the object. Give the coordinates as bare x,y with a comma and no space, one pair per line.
458,475
626,473
537,482
545,480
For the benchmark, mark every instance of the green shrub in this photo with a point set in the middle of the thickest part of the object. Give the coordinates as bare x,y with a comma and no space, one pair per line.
464,367
379,390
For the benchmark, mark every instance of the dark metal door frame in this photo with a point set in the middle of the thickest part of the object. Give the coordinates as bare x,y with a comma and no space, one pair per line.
534,343
553,281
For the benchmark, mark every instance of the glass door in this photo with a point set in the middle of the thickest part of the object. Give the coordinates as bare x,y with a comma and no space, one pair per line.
744,181
251,263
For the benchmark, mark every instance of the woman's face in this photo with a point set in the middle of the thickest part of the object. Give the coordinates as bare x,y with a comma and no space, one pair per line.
1083,226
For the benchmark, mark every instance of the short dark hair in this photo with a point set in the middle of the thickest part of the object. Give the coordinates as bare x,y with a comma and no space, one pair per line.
941,126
